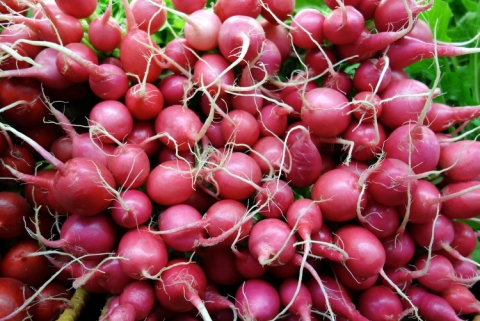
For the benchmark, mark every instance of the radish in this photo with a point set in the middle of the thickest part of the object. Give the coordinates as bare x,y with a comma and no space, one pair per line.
461,299
269,153
14,209
392,15
274,199
383,221
13,294
225,9
429,305
215,256
247,265
257,299
202,29
149,15
82,10
458,160
188,6
307,23
181,287
112,117
131,209
440,116
144,101
343,25
51,302
379,303
350,280
279,35
141,295
180,52
302,300
275,11
129,165
104,32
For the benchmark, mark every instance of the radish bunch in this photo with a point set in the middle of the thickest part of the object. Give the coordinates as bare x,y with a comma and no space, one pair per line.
262,163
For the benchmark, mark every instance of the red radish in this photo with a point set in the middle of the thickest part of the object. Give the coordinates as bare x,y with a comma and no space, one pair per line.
180,52
104,33
322,245
330,190
380,219
408,50
215,302
52,301
80,10
368,140
149,16
175,89
19,263
273,120
372,75
182,286
352,281
459,200
274,11
279,35
16,157
215,256
358,242
14,209
188,6
379,303
292,95
251,100
144,253
307,27
440,116
271,242
399,249
224,9
300,302
465,240
247,265
201,29
13,294
339,81
458,159
326,112
421,209
178,126
392,15
141,295
129,165
270,154
332,4
275,198
137,50
442,229
44,134
212,73
167,154
178,175
132,209
144,101
240,128
430,306
43,201
140,134
318,60
112,117
14,32
461,299
257,299
343,25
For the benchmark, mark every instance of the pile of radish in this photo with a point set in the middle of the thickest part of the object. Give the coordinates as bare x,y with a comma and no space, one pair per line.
262,163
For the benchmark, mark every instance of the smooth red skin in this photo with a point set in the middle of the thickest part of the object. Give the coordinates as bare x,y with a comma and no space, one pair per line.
146,103
291,95
441,116
272,120
179,284
422,31
461,299
401,110
399,250
316,61
368,75
217,256
444,233
352,281
267,238
111,277
177,216
18,158
123,312
203,34
14,32
225,9
181,123
337,192
464,269
44,134
332,4
81,10
279,35
133,53
167,154
340,32
303,300
257,299
214,301
85,146
272,149
248,266
12,295
104,36
11,63
16,263
201,200
301,147
245,129
181,52
281,9
400,276
366,106
462,156
274,199
110,82
338,297
214,135
354,166
114,117
388,184
142,130
464,206
367,8
285,271
47,307
312,21
465,240
231,37
430,306
379,303
141,295
29,89
188,6
325,235
174,89
421,141
305,215
326,112
363,136
206,71
380,219
149,17
40,197
223,215
176,174
61,148
421,211
130,166
391,15
13,210
360,243
139,209
439,275
242,165
339,81
268,63
69,68
250,101
143,251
